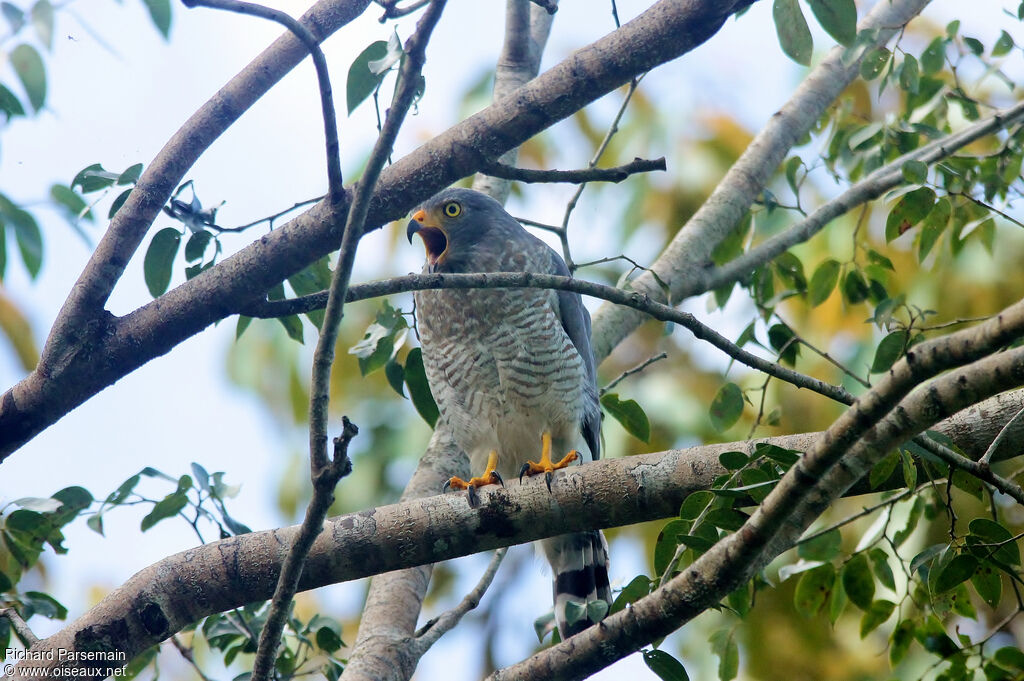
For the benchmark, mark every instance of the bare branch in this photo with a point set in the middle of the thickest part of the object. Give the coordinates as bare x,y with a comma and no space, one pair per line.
325,478
616,174
326,474
216,577
635,370
323,77
432,631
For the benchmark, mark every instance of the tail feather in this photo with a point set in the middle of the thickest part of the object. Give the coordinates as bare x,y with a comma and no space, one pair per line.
579,568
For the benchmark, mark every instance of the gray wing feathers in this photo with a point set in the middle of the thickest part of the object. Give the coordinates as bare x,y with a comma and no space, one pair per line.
576,322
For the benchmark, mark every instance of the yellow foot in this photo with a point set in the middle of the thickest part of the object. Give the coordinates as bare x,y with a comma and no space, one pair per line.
546,466
489,477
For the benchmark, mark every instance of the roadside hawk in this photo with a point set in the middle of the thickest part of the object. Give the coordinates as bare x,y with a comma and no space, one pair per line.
512,372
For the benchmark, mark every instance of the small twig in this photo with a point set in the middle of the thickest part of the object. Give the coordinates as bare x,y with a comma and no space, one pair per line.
978,469
999,438
21,628
186,653
612,129
271,218
635,370
540,225
616,174
324,481
866,511
433,630
334,176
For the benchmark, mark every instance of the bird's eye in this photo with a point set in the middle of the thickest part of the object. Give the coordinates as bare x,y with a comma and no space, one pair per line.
453,209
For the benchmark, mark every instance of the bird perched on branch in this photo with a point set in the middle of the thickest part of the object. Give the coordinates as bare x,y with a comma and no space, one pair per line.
513,374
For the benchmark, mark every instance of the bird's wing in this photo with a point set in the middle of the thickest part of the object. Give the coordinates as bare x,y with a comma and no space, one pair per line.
576,322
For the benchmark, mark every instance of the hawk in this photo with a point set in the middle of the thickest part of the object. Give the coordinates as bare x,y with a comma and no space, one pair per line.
513,373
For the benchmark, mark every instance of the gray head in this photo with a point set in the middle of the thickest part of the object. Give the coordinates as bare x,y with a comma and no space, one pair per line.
455,222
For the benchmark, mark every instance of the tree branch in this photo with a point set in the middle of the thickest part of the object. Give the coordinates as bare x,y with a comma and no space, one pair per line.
185,587
101,352
20,627
871,187
616,174
867,431
685,258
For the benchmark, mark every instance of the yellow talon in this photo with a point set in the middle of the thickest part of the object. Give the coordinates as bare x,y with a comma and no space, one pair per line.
489,477
545,464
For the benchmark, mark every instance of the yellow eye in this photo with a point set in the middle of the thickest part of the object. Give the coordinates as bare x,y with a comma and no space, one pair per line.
453,209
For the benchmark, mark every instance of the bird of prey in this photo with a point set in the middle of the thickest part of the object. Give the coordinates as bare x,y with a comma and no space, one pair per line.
513,373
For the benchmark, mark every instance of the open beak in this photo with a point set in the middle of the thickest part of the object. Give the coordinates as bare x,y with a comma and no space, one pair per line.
435,241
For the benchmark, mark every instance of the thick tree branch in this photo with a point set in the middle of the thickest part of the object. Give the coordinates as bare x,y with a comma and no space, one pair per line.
100,353
185,587
881,420
685,258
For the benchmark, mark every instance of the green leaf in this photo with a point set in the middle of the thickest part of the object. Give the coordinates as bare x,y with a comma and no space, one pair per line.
933,226
242,325
793,165
838,18
93,178
784,342
665,666
889,350
880,563
31,72
159,260
395,374
160,13
42,20
733,461
791,270
974,45
668,540
1003,45
855,288
9,103
312,279
786,457
168,507
874,62
900,640
45,605
637,588
196,245
328,639
419,390
858,583
911,209
1010,657
130,175
727,407
726,518
14,16
629,414
813,588
883,470
985,531
875,616
74,206
791,27
361,81
910,77
909,469
694,504
380,342
934,57
988,582
823,282
723,644
574,612
957,571
914,171
26,233
291,323
823,547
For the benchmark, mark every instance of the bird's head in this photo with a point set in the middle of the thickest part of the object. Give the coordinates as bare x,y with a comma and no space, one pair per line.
453,221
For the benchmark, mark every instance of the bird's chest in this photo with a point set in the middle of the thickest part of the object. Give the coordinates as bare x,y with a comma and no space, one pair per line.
500,352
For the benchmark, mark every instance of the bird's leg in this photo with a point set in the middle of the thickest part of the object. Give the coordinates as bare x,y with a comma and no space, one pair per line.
489,477
545,465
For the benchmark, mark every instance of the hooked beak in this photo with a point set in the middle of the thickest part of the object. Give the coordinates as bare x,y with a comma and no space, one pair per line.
435,241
